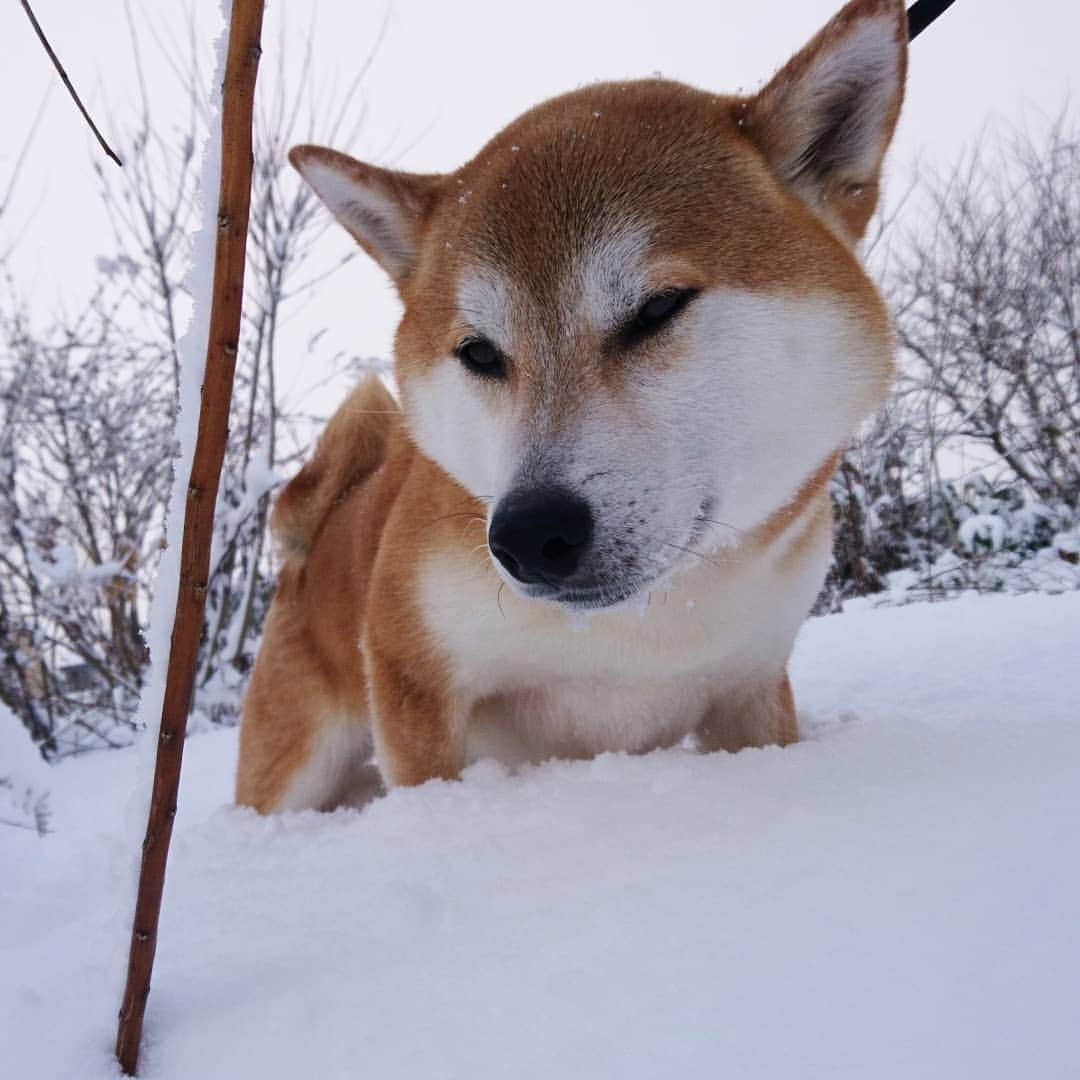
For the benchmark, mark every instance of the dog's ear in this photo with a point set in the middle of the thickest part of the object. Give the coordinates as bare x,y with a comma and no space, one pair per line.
385,211
826,118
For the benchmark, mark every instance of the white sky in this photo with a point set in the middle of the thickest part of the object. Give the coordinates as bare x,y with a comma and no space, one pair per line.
449,74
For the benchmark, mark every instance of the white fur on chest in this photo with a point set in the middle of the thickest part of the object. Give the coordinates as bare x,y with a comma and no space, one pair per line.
534,680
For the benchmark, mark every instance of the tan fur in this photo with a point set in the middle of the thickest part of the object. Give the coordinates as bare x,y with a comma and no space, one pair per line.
391,628
308,670
762,718
352,446
813,489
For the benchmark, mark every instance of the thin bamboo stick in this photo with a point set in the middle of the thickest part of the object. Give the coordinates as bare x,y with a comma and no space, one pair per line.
238,94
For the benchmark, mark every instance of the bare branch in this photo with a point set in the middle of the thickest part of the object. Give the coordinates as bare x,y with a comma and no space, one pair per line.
109,152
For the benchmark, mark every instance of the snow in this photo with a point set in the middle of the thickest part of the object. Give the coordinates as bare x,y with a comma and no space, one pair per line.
988,529
24,777
896,896
1051,569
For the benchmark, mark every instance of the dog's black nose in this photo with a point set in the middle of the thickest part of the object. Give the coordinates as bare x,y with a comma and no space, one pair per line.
540,534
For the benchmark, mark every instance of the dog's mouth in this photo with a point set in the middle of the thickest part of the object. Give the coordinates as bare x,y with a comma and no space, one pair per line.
611,591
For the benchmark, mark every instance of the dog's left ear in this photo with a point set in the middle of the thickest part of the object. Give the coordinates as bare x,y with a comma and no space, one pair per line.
826,118
385,211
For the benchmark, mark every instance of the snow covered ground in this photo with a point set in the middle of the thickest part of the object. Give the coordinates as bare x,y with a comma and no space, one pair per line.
897,896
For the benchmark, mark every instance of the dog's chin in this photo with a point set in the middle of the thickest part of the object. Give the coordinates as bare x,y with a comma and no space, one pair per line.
589,599
588,596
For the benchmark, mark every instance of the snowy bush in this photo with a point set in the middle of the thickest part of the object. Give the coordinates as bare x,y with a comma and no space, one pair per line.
971,477
87,409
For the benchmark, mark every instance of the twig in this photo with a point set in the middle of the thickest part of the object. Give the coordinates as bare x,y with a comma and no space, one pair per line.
234,203
21,825
109,152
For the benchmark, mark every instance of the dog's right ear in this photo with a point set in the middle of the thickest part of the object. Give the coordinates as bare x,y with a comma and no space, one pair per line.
385,211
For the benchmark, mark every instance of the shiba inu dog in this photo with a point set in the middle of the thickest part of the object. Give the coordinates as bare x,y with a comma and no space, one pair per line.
636,335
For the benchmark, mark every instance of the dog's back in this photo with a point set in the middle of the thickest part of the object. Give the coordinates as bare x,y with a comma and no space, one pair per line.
308,678
351,448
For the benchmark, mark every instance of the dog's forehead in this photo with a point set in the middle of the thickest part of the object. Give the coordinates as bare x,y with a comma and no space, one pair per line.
579,199
599,281
584,205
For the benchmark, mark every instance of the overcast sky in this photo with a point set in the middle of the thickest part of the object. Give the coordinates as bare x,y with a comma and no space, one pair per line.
449,74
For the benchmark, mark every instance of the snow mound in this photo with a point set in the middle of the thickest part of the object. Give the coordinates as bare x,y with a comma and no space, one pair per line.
895,896
24,778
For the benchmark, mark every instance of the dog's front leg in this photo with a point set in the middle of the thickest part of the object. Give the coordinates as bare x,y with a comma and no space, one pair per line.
417,723
763,716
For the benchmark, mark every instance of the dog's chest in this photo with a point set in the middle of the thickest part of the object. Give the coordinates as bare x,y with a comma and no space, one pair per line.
578,718
536,681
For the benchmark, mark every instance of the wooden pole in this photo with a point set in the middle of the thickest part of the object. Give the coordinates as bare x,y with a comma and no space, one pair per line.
234,200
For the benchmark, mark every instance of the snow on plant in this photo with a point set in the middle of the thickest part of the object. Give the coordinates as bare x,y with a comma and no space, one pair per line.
24,798
973,471
87,408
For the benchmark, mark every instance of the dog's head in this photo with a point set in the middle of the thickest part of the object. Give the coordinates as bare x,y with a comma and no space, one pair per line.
634,322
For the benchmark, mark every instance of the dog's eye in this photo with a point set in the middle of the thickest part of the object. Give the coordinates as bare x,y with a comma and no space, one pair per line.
481,358
656,313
